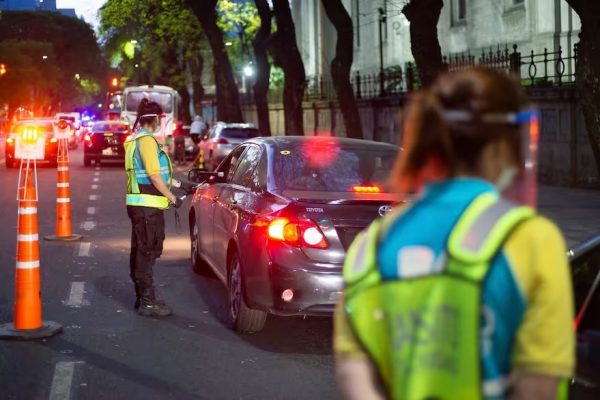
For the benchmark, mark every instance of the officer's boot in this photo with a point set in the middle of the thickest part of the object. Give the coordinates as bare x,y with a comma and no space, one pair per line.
150,307
138,295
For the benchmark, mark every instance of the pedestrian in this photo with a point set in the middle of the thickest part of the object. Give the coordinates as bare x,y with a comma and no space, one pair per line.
198,128
460,294
149,179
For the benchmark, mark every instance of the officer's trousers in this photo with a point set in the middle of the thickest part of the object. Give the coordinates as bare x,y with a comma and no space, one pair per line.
147,237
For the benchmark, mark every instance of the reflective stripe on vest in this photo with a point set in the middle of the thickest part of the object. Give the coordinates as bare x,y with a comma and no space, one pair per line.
136,174
423,333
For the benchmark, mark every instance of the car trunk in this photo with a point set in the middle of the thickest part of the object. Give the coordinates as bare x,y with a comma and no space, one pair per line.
340,216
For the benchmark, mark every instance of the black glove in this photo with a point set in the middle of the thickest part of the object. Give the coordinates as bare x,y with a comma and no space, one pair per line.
177,203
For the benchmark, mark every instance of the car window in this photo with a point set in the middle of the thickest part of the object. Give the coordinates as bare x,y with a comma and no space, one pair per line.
239,133
585,270
245,173
329,166
229,165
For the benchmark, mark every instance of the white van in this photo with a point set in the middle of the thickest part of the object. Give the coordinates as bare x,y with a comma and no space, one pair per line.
165,96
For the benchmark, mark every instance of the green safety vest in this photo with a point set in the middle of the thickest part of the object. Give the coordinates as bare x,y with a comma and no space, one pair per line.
423,333
136,174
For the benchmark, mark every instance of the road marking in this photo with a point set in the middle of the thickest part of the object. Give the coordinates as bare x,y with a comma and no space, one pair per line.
88,225
85,249
96,179
97,168
62,381
97,173
91,210
76,295
93,197
94,187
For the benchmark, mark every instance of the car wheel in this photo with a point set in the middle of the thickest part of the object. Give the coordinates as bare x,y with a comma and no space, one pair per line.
243,319
198,264
87,162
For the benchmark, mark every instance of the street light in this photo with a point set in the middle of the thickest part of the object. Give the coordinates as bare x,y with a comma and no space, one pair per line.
228,44
382,20
44,57
248,70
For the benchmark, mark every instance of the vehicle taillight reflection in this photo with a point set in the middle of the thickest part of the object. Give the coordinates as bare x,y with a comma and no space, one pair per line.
366,189
320,152
87,138
302,232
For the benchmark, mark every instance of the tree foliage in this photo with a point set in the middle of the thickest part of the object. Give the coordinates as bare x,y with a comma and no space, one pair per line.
154,41
71,74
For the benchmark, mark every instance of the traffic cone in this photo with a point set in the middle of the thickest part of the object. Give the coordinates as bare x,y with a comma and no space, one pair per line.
28,322
63,198
201,159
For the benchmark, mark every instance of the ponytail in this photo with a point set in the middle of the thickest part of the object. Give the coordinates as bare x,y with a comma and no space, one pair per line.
146,107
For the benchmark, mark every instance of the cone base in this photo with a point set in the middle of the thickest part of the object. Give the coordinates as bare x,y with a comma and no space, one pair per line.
54,238
48,328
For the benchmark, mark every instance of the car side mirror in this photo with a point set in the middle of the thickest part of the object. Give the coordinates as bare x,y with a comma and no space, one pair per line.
200,176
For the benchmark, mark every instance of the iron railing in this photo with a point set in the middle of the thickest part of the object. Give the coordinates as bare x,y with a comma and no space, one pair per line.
547,68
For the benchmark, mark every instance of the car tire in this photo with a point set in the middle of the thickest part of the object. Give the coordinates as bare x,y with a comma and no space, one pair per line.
199,266
87,162
242,318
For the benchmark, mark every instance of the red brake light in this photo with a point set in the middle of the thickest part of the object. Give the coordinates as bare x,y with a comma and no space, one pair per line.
87,137
222,141
366,189
303,233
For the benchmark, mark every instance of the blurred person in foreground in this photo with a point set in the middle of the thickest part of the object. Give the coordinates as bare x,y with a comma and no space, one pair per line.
461,294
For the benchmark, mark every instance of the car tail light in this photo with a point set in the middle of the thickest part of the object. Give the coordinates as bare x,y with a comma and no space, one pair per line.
301,232
222,141
87,138
53,140
366,189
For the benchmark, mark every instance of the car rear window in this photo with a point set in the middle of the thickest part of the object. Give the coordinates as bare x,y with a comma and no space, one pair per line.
110,128
328,166
240,133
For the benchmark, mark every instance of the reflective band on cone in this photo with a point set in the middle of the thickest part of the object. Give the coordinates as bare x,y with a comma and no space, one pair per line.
62,185
27,210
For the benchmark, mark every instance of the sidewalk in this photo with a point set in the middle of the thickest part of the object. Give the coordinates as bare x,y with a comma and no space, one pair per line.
575,211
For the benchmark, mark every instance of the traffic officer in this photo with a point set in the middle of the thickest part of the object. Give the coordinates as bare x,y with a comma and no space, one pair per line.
461,294
149,180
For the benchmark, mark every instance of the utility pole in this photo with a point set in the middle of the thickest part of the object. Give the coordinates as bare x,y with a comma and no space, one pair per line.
382,20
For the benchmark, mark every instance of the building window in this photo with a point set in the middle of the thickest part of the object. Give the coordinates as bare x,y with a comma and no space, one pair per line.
459,11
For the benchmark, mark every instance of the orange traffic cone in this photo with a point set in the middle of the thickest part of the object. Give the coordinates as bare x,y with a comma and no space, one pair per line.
63,198
28,322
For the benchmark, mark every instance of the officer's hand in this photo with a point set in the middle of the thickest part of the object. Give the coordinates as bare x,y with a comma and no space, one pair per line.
177,203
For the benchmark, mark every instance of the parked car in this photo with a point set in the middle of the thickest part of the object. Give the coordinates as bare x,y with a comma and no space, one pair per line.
105,142
43,129
275,219
224,137
585,267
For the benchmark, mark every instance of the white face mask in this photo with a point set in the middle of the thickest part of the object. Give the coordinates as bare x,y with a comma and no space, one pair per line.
506,178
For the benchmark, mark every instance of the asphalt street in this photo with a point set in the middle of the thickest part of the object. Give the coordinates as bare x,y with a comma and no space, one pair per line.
108,351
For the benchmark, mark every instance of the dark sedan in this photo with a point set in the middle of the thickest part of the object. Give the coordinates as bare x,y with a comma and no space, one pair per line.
105,141
275,219
42,128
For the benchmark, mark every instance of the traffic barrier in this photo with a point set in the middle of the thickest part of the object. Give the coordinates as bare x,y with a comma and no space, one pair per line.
63,198
28,323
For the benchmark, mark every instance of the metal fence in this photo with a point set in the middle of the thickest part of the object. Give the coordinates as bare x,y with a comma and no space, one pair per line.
543,69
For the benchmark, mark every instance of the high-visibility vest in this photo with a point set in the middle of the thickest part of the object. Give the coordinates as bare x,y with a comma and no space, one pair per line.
423,333
137,175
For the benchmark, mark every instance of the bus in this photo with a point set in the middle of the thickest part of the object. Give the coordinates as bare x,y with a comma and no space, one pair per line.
167,97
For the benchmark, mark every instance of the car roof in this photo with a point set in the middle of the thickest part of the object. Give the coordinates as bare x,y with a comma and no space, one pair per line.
281,142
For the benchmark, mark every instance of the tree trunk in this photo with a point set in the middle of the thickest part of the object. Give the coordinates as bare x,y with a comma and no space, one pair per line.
423,16
282,45
341,64
263,68
587,72
184,116
196,66
228,100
